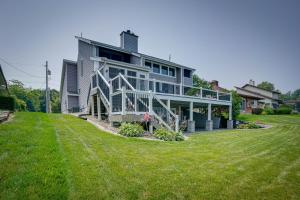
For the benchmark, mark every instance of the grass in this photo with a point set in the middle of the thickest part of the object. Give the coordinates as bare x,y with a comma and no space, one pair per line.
61,157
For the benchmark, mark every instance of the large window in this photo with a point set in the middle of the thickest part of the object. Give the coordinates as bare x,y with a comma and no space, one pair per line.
148,64
164,70
131,73
156,68
113,55
171,71
113,72
161,69
187,73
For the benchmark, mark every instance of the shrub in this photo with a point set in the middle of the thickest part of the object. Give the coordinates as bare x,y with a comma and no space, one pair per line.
164,134
248,126
257,111
131,130
7,103
268,111
283,110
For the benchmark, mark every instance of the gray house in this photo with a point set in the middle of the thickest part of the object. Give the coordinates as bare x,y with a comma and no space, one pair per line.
120,84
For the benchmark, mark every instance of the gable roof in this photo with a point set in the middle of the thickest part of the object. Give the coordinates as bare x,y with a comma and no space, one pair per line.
260,88
255,94
96,43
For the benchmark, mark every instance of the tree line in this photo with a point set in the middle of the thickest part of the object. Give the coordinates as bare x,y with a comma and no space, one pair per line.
32,100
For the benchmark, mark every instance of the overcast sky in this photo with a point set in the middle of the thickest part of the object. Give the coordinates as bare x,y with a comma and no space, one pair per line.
231,41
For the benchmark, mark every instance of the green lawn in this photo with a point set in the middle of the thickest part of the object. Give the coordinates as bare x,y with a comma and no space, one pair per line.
61,157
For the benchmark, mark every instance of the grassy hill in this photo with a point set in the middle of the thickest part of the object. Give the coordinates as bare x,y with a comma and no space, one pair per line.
59,156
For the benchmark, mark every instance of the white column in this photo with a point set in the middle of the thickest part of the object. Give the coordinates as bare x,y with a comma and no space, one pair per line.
99,107
230,112
191,111
209,112
123,100
150,102
92,104
179,112
169,104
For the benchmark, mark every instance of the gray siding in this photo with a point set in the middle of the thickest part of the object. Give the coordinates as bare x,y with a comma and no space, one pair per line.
72,102
85,51
129,42
72,78
64,100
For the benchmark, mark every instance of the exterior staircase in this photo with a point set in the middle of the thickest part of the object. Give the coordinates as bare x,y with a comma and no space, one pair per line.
120,98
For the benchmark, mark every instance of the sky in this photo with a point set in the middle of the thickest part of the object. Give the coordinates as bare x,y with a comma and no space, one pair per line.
230,41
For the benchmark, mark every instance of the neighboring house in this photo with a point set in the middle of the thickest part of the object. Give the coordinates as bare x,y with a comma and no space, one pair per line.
294,104
3,84
120,84
254,97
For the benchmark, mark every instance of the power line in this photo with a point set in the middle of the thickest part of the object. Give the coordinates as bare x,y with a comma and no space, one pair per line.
16,68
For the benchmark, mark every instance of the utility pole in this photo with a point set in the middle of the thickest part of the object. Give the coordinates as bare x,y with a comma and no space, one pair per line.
47,89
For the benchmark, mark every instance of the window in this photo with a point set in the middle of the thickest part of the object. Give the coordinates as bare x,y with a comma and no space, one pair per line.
187,73
156,68
148,64
131,73
171,71
164,70
142,76
113,72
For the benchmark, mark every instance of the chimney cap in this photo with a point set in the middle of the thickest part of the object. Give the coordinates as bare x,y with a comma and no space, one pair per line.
128,31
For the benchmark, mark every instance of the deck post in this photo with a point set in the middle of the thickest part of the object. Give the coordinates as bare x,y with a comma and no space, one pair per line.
123,100
150,102
177,124
230,121
191,122
93,105
99,107
191,111
169,107
201,92
209,122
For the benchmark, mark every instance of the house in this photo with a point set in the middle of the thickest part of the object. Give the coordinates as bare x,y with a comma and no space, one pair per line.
254,97
121,84
294,104
3,84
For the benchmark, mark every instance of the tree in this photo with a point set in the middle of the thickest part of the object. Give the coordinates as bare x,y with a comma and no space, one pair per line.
199,82
55,101
28,99
266,85
236,104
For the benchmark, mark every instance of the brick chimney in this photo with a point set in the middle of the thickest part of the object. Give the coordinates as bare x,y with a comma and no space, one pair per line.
251,82
215,84
129,41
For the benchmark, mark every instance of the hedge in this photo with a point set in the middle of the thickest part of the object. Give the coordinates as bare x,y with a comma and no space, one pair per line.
257,111
7,103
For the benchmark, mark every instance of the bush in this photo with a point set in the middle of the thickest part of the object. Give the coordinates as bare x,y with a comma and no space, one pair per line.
268,111
166,135
257,111
248,126
7,103
131,130
283,110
